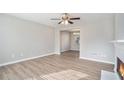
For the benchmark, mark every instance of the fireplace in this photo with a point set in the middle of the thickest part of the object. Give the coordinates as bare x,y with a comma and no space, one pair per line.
120,68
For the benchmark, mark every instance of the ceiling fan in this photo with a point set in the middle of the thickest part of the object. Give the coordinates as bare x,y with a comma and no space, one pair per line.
66,19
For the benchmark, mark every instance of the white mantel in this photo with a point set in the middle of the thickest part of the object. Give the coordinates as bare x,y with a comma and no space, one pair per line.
117,41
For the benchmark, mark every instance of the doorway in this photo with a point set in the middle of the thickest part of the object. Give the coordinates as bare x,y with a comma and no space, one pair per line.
70,43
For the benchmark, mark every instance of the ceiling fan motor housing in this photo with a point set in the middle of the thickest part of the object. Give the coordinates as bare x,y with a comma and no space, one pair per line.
65,17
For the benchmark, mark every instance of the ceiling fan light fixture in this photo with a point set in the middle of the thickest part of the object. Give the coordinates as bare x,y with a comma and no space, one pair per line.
66,22
62,22
66,19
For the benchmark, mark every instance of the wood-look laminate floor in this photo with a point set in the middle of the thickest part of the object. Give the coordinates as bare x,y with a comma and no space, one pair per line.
54,65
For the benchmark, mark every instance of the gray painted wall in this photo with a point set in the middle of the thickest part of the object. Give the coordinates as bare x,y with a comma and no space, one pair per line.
95,37
21,39
96,32
119,35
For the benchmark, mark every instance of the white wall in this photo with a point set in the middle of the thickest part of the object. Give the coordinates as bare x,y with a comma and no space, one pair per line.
74,46
95,37
119,35
21,39
65,41
96,31
119,26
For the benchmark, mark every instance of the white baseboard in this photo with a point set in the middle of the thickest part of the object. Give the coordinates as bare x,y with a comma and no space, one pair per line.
57,53
25,59
74,50
91,59
64,50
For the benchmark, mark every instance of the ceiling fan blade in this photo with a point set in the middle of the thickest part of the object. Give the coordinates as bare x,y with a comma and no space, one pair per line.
70,22
75,18
60,22
55,19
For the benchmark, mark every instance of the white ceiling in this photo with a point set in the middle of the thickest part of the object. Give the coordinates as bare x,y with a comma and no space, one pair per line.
44,18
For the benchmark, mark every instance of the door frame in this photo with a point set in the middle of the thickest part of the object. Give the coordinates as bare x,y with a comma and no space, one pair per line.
58,42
